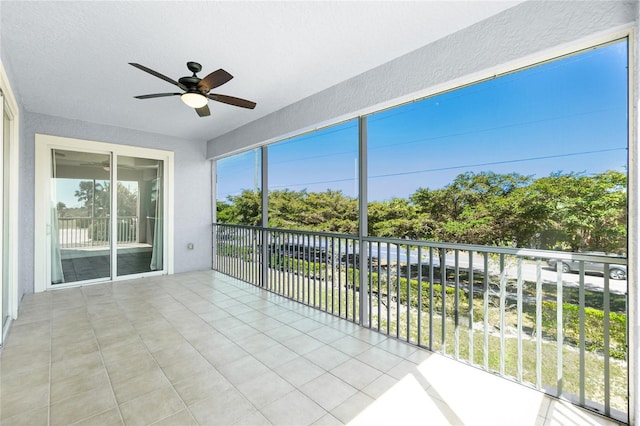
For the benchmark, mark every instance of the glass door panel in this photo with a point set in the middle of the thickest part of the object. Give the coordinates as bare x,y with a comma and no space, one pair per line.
139,215
80,216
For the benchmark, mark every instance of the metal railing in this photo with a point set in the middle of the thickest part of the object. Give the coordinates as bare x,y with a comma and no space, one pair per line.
537,317
78,232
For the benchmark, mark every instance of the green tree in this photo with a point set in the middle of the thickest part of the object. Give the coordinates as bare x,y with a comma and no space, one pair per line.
329,211
482,208
243,209
319,211
561,211
587,213
286,209
96,197
224,212
61,208
398,218
127,201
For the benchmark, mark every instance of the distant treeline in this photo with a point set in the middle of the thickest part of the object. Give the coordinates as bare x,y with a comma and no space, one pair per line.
564,211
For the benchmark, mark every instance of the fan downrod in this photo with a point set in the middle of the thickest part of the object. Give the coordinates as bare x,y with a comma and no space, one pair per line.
193,80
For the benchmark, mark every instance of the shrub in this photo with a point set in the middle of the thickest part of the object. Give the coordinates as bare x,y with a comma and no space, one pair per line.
593,327
378,284
232,250
290,264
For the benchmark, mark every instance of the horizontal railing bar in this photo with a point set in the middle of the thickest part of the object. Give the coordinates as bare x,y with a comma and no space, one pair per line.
292,231
523,252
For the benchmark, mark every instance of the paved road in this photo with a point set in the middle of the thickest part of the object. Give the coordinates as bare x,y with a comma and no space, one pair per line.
593,282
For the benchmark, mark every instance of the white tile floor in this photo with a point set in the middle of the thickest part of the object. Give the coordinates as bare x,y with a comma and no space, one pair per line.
203,348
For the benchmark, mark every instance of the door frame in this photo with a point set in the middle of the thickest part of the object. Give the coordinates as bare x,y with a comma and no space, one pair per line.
10,107
44,144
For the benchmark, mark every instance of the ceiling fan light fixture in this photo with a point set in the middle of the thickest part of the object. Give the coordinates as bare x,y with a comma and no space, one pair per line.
194,100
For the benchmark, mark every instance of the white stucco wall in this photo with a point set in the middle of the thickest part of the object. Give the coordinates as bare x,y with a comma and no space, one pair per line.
517,37
192,188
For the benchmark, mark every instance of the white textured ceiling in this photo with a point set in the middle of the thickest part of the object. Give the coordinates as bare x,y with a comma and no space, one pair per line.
70,59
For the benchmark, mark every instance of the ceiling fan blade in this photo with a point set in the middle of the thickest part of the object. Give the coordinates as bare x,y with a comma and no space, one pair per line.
213,80
204,111
156,95
157,74
232,100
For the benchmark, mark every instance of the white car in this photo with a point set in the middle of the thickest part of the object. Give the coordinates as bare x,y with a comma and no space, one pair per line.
616,272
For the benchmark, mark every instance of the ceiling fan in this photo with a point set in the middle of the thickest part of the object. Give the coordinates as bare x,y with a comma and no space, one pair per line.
196,90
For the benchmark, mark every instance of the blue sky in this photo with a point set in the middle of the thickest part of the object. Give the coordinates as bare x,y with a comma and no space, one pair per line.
567,115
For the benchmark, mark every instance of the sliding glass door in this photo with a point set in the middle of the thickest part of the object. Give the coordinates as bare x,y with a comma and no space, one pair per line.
139,209
106,216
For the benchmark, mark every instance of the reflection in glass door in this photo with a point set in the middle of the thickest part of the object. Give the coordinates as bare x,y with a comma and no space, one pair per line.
80,216
139,215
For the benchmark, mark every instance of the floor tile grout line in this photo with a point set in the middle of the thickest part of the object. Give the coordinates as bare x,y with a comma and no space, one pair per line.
386,336
184,404
279,306
93,332
351,357
200,353
102,357
294,386
213,366
270,369
325,370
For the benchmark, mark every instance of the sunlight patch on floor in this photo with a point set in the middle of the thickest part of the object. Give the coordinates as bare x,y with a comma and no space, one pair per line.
406,403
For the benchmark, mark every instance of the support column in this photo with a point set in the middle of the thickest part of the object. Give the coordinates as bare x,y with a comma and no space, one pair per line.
214,214
363,222
633,255
264,189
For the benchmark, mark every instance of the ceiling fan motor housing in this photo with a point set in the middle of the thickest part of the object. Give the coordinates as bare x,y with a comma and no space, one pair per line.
190,82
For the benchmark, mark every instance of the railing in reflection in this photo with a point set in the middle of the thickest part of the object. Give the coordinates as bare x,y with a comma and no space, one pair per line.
78,232
519,313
